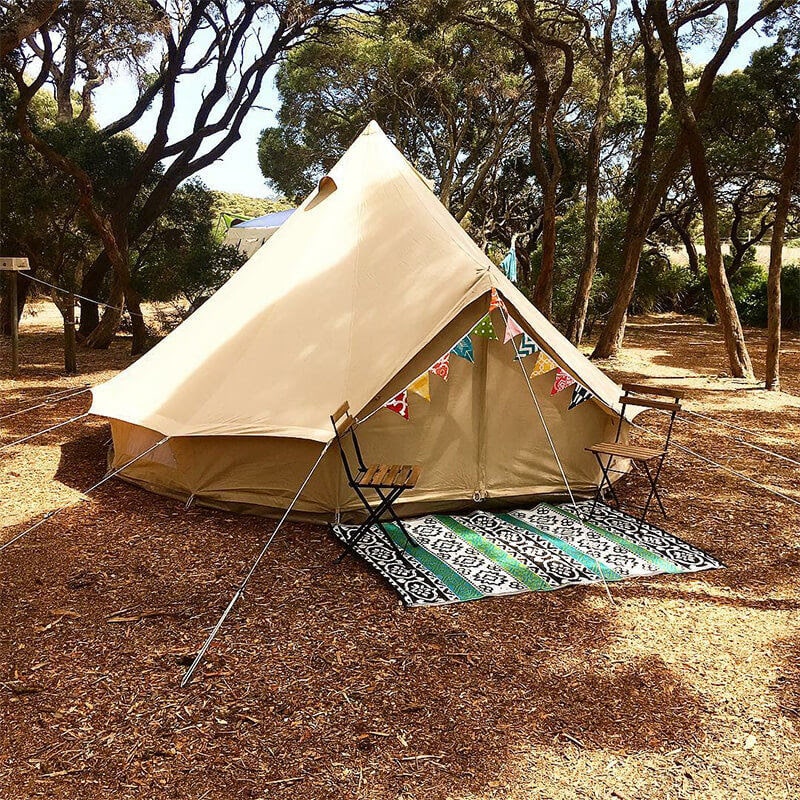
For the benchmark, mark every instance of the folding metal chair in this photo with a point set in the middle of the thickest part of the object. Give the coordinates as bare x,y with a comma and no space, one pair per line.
649,459
387,481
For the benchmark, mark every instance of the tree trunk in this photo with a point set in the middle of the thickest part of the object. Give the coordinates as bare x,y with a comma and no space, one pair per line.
739,358
789,176
591,227
70,350
90,287
543,291
23,287
103,334
688,245
140,332
610,340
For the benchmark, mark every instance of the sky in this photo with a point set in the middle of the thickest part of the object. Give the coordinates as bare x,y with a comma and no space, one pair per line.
238,170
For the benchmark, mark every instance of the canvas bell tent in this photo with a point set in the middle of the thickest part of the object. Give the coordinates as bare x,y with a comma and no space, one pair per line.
365,287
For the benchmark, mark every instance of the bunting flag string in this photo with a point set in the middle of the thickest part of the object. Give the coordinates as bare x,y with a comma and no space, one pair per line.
442,367
526,347
496,301
484,328
399,404
422,386
465,350
562,381
512,329
580,394
543,365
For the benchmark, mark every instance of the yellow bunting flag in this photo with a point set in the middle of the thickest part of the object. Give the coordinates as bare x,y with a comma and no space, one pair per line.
543,365
422,386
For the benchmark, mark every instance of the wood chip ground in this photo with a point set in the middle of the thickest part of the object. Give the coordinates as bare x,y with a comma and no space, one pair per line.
322,686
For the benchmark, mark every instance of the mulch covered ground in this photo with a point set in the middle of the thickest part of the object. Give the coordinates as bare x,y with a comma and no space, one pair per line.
322,686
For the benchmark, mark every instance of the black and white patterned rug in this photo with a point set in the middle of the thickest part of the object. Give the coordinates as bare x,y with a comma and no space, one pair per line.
454,558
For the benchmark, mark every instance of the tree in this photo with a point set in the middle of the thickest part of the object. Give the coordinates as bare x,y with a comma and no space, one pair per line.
653,179
776,72
603,58
739,358
450,96
233,44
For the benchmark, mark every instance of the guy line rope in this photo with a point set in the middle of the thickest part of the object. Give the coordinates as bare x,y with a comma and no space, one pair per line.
46,430
50,514
67,394
581,520
240,590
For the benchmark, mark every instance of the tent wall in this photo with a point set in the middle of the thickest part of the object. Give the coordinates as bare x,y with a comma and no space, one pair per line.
479,440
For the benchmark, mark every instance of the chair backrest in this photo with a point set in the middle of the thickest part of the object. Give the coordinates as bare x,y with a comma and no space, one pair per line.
344,424
637,394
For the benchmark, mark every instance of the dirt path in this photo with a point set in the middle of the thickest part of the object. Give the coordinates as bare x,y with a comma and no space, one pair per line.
322,686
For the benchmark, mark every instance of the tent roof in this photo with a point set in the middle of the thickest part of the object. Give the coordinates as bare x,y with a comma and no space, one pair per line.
366,272
273,220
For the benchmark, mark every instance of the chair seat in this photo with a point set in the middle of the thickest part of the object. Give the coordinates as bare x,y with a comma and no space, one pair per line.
389,476
632,451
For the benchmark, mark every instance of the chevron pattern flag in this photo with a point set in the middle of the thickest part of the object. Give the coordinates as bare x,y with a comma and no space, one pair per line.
526,347
580,394
465,350
561,382
485,328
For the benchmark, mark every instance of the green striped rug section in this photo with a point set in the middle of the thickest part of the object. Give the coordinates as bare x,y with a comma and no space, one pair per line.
660,563
504,560
456,583
588,561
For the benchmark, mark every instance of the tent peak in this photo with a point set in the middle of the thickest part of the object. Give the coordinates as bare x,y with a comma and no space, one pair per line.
372,127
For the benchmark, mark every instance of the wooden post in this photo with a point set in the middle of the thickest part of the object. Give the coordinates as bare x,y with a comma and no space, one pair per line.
13,266
12,307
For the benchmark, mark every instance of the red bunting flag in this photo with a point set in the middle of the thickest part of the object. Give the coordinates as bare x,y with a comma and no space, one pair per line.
563,379
496,301
512,329
399,404
442,367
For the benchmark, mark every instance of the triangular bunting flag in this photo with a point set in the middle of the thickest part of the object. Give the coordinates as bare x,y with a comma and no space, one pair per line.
543,364
442,367
512,329
465,350
399,404
580,394
422,386
527,347
495,301
563,379
485,328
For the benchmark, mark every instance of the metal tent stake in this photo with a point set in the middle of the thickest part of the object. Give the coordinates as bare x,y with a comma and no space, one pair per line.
243,585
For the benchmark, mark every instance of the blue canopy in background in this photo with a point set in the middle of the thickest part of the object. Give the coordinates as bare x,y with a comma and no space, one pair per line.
273,220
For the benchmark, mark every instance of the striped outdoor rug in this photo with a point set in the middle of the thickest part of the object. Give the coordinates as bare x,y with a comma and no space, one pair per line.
466,557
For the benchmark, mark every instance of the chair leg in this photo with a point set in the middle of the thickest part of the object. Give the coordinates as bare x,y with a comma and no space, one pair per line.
374,518
653,479
604,468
